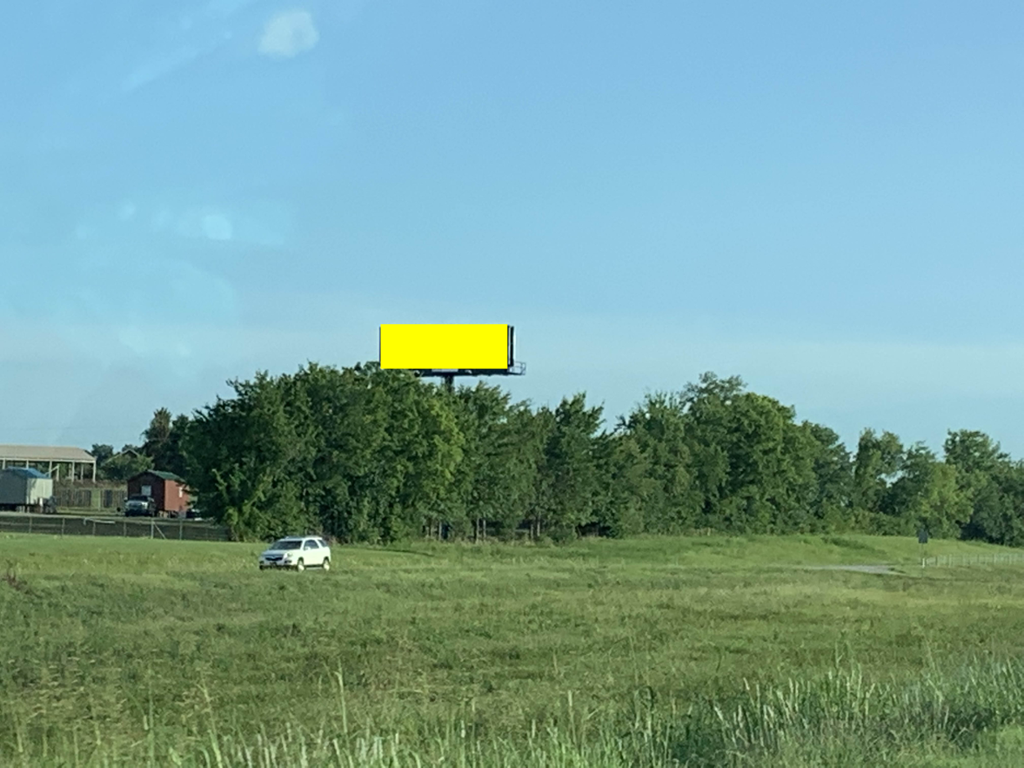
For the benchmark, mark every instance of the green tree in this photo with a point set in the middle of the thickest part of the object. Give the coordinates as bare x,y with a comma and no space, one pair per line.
347,423
101,452
244,456
494,482
973,452
925,493
753,465
833,472
157,433
570,465
424,448
163,441
173,457
944,508
360,453
992,485
626,486
706,405
876,465
124,464
655,432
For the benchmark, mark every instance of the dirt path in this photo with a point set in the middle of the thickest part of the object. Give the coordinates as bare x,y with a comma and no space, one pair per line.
877,569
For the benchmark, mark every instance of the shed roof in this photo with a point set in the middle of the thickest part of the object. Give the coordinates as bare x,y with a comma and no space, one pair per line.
45,453
25,472
161,475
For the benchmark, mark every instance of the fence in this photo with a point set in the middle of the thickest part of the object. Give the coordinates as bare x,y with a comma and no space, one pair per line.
75,497
994,558
148,528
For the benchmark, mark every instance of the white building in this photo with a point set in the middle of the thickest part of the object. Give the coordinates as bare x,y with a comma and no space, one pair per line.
69,463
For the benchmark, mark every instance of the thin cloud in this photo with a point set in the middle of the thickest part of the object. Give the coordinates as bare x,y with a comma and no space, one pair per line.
207,223
288,34
156,68
198,33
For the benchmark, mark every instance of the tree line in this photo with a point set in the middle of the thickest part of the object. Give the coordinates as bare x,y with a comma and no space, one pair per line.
362,454
160,449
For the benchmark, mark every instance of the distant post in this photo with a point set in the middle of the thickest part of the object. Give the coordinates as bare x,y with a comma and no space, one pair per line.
922,541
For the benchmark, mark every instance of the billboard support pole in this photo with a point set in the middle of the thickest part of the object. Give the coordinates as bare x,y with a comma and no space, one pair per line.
449,382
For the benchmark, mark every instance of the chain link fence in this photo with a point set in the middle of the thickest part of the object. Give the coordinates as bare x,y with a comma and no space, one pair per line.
994,558
143,528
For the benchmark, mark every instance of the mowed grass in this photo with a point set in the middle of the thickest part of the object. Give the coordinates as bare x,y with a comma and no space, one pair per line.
652,651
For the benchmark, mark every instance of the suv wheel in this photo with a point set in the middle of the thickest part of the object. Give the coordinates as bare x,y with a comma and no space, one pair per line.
301,565
327,564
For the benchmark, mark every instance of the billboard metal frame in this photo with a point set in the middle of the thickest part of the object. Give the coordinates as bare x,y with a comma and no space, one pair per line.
449,374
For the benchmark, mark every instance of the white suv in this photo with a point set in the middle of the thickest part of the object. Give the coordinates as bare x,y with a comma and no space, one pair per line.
298,552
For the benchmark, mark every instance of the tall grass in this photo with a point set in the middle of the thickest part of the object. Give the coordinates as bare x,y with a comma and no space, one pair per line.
842,719
838,719
641,653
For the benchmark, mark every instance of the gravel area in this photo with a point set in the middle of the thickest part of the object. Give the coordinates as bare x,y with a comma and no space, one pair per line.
878,569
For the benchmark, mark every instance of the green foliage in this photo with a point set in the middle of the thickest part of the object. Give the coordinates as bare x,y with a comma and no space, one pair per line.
991,485
570,467
655,435
126,463
101,452
723,458
158,433
376,456
360,454
163,442
833,473
245,457
493,485
626,487
877,463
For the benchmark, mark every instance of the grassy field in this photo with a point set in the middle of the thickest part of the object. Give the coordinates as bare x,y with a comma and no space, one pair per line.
647,652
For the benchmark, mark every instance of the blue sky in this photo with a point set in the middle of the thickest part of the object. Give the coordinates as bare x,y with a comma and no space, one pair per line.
824,200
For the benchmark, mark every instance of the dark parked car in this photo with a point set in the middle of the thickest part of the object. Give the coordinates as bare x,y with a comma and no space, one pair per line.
140,506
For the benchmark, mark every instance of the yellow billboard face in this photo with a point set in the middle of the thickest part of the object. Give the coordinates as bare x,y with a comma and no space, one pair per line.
445,347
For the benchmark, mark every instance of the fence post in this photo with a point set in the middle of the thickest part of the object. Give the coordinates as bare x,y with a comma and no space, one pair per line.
63,520
30,523
93,527
152,525
124,528
181,528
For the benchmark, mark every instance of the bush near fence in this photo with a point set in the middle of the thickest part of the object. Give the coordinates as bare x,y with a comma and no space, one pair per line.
154,528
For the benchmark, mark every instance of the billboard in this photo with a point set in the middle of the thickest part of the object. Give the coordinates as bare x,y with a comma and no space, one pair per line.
447,348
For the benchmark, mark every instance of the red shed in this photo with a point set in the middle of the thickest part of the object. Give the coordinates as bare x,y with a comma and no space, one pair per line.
165,488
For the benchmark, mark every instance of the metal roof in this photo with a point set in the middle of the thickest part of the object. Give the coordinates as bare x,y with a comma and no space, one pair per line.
25,472
160,474
44,453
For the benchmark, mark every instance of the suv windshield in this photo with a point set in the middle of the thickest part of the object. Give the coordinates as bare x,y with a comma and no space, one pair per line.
286,544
